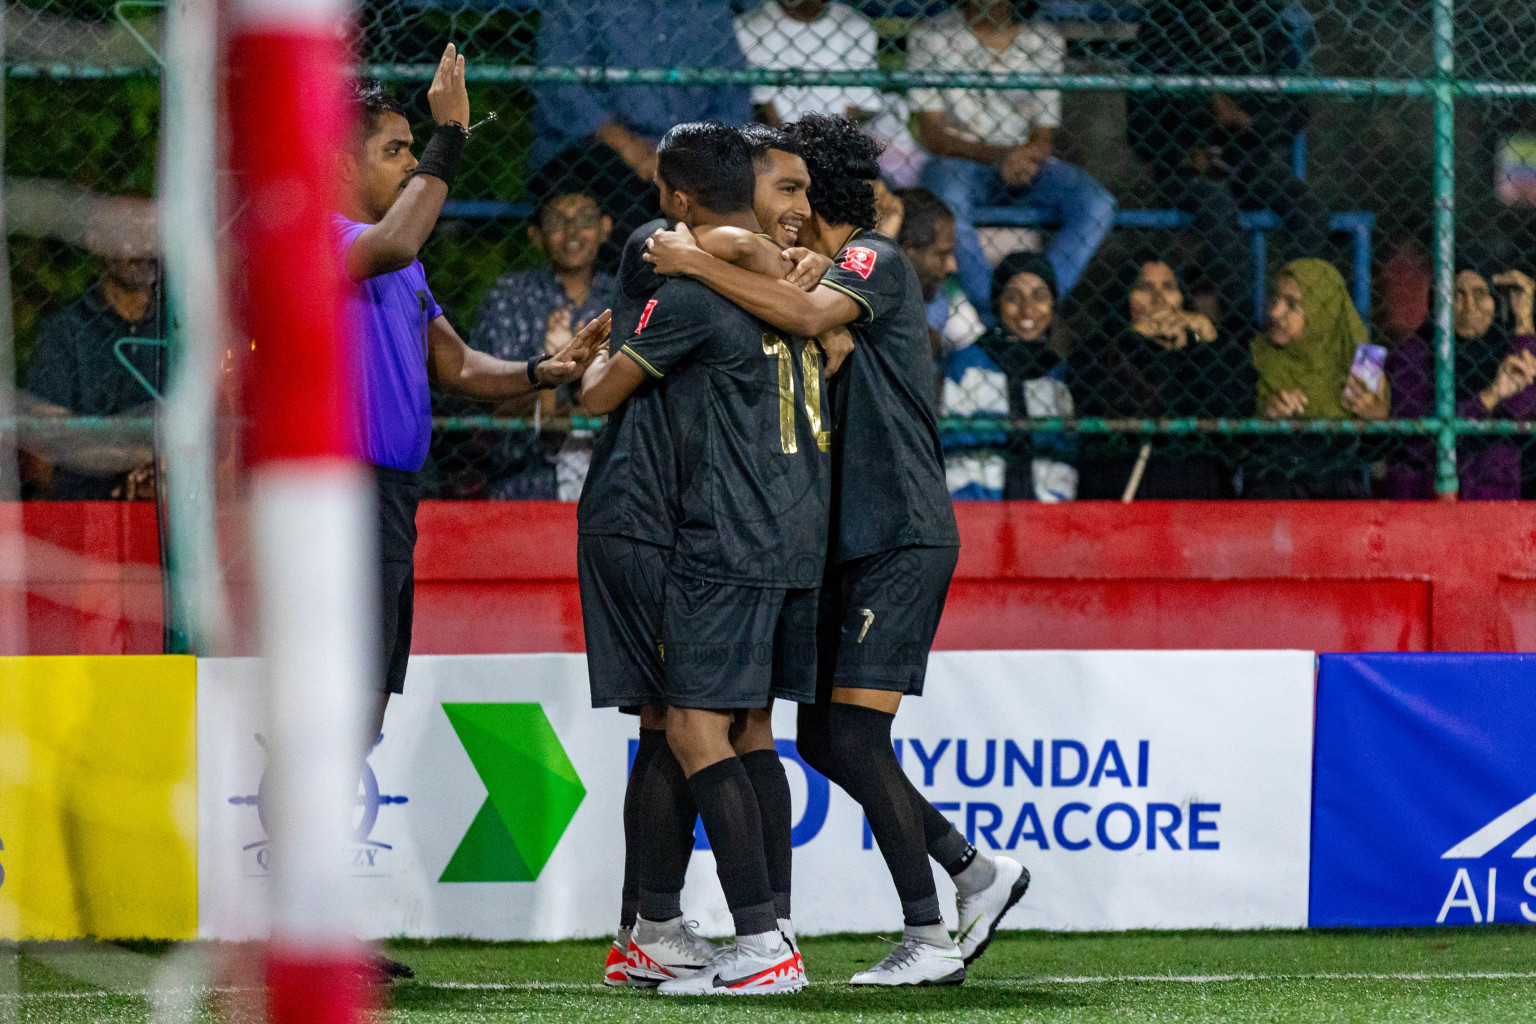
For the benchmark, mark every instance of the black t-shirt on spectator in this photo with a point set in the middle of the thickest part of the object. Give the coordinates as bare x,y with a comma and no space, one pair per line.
74,366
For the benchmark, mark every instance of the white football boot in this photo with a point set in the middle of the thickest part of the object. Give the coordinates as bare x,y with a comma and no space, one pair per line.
614,971
981,912
787,929
665,951
752,965
915,962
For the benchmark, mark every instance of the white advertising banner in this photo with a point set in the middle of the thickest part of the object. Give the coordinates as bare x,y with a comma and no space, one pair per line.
1141,789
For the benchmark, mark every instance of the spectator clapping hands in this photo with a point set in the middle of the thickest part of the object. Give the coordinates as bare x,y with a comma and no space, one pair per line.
1516,373
572,359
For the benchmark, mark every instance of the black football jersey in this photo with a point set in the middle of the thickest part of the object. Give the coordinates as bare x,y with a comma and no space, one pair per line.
889,489
746,411
631,485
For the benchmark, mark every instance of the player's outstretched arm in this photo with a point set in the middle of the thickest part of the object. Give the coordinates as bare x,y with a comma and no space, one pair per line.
394,241
806,313
457,367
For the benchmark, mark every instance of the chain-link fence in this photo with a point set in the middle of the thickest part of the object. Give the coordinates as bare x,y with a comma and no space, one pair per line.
1222,227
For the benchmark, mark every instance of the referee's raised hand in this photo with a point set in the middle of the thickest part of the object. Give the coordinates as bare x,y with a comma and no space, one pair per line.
570,362
447,96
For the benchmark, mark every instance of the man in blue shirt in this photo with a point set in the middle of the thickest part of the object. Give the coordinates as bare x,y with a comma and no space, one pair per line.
603,137
390,203
526,313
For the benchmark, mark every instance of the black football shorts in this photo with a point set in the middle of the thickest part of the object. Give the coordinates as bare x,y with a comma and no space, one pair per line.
878,618
730,646
622,583
398,495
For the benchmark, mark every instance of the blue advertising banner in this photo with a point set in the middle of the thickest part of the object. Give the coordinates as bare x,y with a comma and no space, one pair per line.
1424,805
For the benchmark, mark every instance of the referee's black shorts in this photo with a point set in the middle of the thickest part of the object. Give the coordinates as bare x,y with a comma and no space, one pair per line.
878,618
399,493
622,584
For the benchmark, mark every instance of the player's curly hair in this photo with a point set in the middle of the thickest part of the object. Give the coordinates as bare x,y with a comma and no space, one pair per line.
842,161
370,101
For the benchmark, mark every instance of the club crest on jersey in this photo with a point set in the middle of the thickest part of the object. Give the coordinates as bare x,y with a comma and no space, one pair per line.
645,314
859,260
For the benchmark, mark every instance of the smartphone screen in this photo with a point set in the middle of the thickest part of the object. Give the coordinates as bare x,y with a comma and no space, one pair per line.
1370,362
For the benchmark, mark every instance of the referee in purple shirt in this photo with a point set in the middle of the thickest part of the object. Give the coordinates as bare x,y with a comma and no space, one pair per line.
389,206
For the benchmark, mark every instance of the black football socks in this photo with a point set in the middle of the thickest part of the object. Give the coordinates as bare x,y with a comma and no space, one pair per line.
771,786
968,868
861,748
651,740
667,815
813,740
734,825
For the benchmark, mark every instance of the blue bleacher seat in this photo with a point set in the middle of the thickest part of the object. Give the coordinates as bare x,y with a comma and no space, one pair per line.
1357,223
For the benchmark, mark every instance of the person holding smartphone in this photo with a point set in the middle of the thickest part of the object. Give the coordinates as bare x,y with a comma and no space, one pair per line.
1311,363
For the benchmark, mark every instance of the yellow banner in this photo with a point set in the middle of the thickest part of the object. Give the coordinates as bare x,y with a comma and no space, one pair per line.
98,797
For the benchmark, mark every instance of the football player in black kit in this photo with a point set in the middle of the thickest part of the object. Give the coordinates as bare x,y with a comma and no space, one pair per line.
744,412
624,544
894,543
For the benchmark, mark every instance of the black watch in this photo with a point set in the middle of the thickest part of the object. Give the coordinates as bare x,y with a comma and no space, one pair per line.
533,372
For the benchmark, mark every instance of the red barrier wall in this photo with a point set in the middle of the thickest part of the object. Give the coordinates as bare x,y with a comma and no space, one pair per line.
501,577
1316,576
84,578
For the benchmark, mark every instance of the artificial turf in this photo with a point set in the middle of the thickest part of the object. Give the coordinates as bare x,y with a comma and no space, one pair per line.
1462,975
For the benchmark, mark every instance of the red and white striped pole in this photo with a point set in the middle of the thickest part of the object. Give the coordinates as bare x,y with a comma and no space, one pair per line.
312,500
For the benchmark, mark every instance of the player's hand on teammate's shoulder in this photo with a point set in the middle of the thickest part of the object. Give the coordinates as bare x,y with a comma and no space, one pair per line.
671,251
837,344
571,361
809,267
447,96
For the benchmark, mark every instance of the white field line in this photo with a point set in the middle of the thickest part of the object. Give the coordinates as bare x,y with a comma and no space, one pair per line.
1106,979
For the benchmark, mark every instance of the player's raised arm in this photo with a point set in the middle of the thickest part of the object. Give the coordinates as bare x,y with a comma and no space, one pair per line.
806,313
413,191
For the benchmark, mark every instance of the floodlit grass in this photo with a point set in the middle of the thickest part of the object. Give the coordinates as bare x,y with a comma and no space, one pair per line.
1462,975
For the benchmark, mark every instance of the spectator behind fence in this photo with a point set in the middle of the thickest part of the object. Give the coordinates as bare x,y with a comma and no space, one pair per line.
75,372
927,235
602,138
1304,362
994,145
1157,359
1012,371
1495,365
810,35
1211,153
529,313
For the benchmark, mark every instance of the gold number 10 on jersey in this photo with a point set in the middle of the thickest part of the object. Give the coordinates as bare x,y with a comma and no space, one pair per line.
810,367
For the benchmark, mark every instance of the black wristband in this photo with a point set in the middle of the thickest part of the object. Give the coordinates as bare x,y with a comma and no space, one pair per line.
440,157
533,372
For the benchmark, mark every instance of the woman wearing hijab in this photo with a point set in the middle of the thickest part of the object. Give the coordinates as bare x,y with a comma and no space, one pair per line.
1012,371
1158,360
1495,366
1304,362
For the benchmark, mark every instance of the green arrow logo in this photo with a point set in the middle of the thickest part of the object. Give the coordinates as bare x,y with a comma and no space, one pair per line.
533,792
